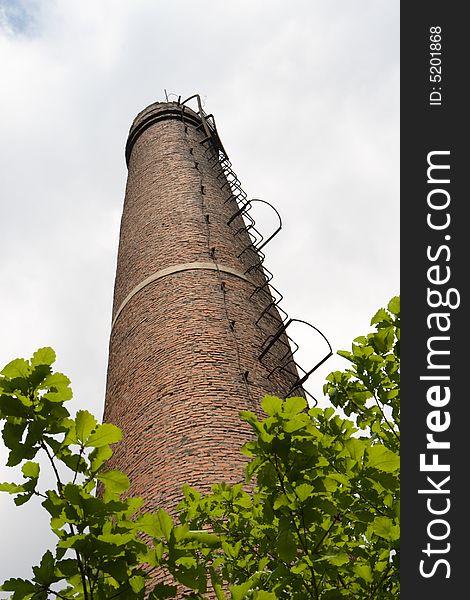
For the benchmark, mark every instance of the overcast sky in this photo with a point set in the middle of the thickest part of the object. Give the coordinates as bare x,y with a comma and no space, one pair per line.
305,95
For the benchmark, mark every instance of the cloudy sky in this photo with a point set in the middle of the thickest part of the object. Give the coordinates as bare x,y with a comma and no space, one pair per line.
306,99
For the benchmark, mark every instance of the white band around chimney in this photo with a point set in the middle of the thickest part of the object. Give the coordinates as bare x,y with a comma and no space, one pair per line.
208,266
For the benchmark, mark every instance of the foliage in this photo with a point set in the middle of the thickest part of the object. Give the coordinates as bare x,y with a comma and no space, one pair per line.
97,554
322,521
318,517
375,375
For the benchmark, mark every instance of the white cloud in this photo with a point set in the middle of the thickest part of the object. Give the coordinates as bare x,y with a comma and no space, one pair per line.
305,96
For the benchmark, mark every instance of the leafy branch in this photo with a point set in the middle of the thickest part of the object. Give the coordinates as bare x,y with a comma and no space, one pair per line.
319,519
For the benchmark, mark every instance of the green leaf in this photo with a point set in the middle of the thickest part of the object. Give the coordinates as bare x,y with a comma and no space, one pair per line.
95,507
16,368
67,567
356,448
115,483
137,583
188,562
217,584
12,406
384,339
336,594
73,494
383,459
239,592
75,462
99,456
204,537
43,356
281,500
30,469
54,504
192,578
295,423
364,571
267,476
286,546
12,435
161,590
39,373
337,559
165,522
330,484
303,491
380,315
85,424
56,380
133,504
72,541
23,498
105,434
248,416
384,528
44,574
158,524
58,386
394,305
118,539
344,354
11,488
271,405
21,587
295,405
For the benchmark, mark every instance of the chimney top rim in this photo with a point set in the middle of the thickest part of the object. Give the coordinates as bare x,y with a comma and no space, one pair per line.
156,112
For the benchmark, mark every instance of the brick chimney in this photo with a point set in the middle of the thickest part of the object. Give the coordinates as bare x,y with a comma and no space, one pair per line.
192,313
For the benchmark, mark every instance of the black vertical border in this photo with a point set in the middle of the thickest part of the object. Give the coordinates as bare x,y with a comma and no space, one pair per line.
425,128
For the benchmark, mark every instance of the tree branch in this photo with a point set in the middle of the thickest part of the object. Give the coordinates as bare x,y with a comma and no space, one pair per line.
303,544
54,468
379,583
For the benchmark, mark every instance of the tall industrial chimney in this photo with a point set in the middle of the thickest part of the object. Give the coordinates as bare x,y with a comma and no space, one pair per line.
196,335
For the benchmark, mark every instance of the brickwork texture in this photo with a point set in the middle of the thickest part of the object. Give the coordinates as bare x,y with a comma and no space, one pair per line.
184,348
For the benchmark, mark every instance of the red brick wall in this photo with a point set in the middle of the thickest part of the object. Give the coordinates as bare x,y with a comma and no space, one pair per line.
180,346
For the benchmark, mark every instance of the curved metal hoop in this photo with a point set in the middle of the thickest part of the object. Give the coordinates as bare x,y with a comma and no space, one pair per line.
300,380
244,210
303,379
279,227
